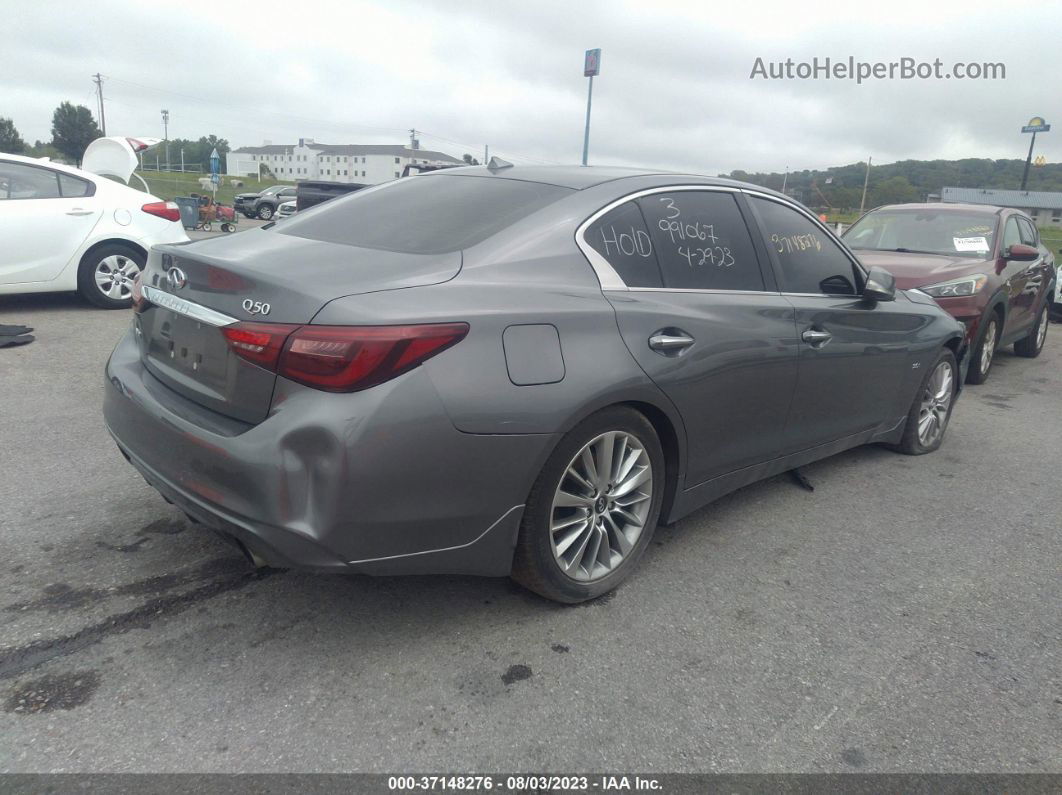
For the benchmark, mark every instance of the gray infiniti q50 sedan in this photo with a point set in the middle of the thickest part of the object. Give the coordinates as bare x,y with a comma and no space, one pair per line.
513,370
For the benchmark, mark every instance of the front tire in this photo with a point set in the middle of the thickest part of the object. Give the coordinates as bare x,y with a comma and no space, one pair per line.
930,411
593,509
265,212
1031,346
984,351
105,275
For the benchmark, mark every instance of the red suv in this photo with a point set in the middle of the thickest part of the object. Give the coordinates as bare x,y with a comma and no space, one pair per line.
984,265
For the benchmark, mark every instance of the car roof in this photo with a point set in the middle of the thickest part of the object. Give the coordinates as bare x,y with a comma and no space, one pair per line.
581,177
986,209
46,163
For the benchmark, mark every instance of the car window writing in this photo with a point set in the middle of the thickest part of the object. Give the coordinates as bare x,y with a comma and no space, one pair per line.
19,181
622,238
809,261
701,241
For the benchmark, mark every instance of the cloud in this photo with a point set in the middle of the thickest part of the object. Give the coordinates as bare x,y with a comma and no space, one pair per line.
674,90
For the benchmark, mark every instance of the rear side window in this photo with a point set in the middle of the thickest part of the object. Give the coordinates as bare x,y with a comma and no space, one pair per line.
622,238
20,181
809,261
701,241
72,187
424,214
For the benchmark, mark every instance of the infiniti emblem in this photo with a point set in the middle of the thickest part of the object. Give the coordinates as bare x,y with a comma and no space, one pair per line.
176,279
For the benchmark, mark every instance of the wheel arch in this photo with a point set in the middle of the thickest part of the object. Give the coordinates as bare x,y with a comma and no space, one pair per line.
669,428
112,240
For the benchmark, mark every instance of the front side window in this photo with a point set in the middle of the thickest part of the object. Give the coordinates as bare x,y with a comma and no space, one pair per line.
808,260
622,238
701,241
1011,235
20,181
1026,231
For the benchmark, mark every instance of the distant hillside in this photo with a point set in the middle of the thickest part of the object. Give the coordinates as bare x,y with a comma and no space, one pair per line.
904,181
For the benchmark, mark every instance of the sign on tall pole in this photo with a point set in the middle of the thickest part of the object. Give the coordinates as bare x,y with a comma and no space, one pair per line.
1036,124
591,68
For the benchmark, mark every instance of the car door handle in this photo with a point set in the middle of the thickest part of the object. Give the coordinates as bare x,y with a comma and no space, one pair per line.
79,211
815,338
670,343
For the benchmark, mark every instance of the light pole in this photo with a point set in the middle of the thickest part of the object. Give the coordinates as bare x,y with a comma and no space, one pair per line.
591,67
166,133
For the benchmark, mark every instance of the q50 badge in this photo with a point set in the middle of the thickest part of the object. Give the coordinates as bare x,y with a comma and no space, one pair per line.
255,307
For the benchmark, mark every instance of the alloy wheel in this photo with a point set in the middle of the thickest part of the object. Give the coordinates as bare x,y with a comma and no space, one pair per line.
601,505
936,400
988,346
114,276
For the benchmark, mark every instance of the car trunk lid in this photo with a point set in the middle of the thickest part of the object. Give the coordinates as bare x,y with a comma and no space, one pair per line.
195,290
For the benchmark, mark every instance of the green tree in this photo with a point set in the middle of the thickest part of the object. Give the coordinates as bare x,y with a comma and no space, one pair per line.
895,190
10,141
468,159
73,129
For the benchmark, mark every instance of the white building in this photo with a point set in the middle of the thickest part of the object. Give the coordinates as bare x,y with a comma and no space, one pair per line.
364,163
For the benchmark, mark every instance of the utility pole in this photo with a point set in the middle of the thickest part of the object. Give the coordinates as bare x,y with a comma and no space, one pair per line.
98,80
785,179
486,154
591,67
166,133
866,179
413,142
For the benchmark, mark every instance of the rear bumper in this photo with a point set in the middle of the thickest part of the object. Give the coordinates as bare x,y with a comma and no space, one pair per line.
378,481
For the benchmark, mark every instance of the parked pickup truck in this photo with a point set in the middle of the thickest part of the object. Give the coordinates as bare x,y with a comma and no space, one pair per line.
264,203
311,192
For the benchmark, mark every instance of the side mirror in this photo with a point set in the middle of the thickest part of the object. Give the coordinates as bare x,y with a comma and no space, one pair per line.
880,286
1022,253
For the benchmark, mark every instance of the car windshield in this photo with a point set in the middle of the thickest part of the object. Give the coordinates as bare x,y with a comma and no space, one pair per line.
426,214
275,189
943,232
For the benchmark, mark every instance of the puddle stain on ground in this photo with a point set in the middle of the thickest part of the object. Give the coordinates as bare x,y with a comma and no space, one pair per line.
52,692
61,596
516,673
17,660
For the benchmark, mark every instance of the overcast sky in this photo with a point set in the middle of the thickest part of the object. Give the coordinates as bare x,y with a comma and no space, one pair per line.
674,89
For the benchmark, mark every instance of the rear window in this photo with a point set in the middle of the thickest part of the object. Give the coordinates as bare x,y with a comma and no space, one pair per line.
425,214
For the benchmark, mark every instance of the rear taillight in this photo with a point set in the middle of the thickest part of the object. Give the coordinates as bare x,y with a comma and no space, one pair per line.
259,343
168,210
341,358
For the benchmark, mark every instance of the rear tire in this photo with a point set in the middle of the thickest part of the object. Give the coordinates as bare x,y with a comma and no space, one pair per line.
983,353
105,275
930,412
1031,345
630,487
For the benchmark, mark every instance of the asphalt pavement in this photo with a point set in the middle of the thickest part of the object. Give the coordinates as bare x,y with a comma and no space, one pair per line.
906,615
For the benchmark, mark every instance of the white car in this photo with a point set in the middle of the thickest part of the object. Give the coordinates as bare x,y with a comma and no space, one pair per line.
66,228
285,210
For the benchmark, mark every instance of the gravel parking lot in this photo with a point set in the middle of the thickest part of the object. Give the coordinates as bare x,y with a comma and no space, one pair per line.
904,616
